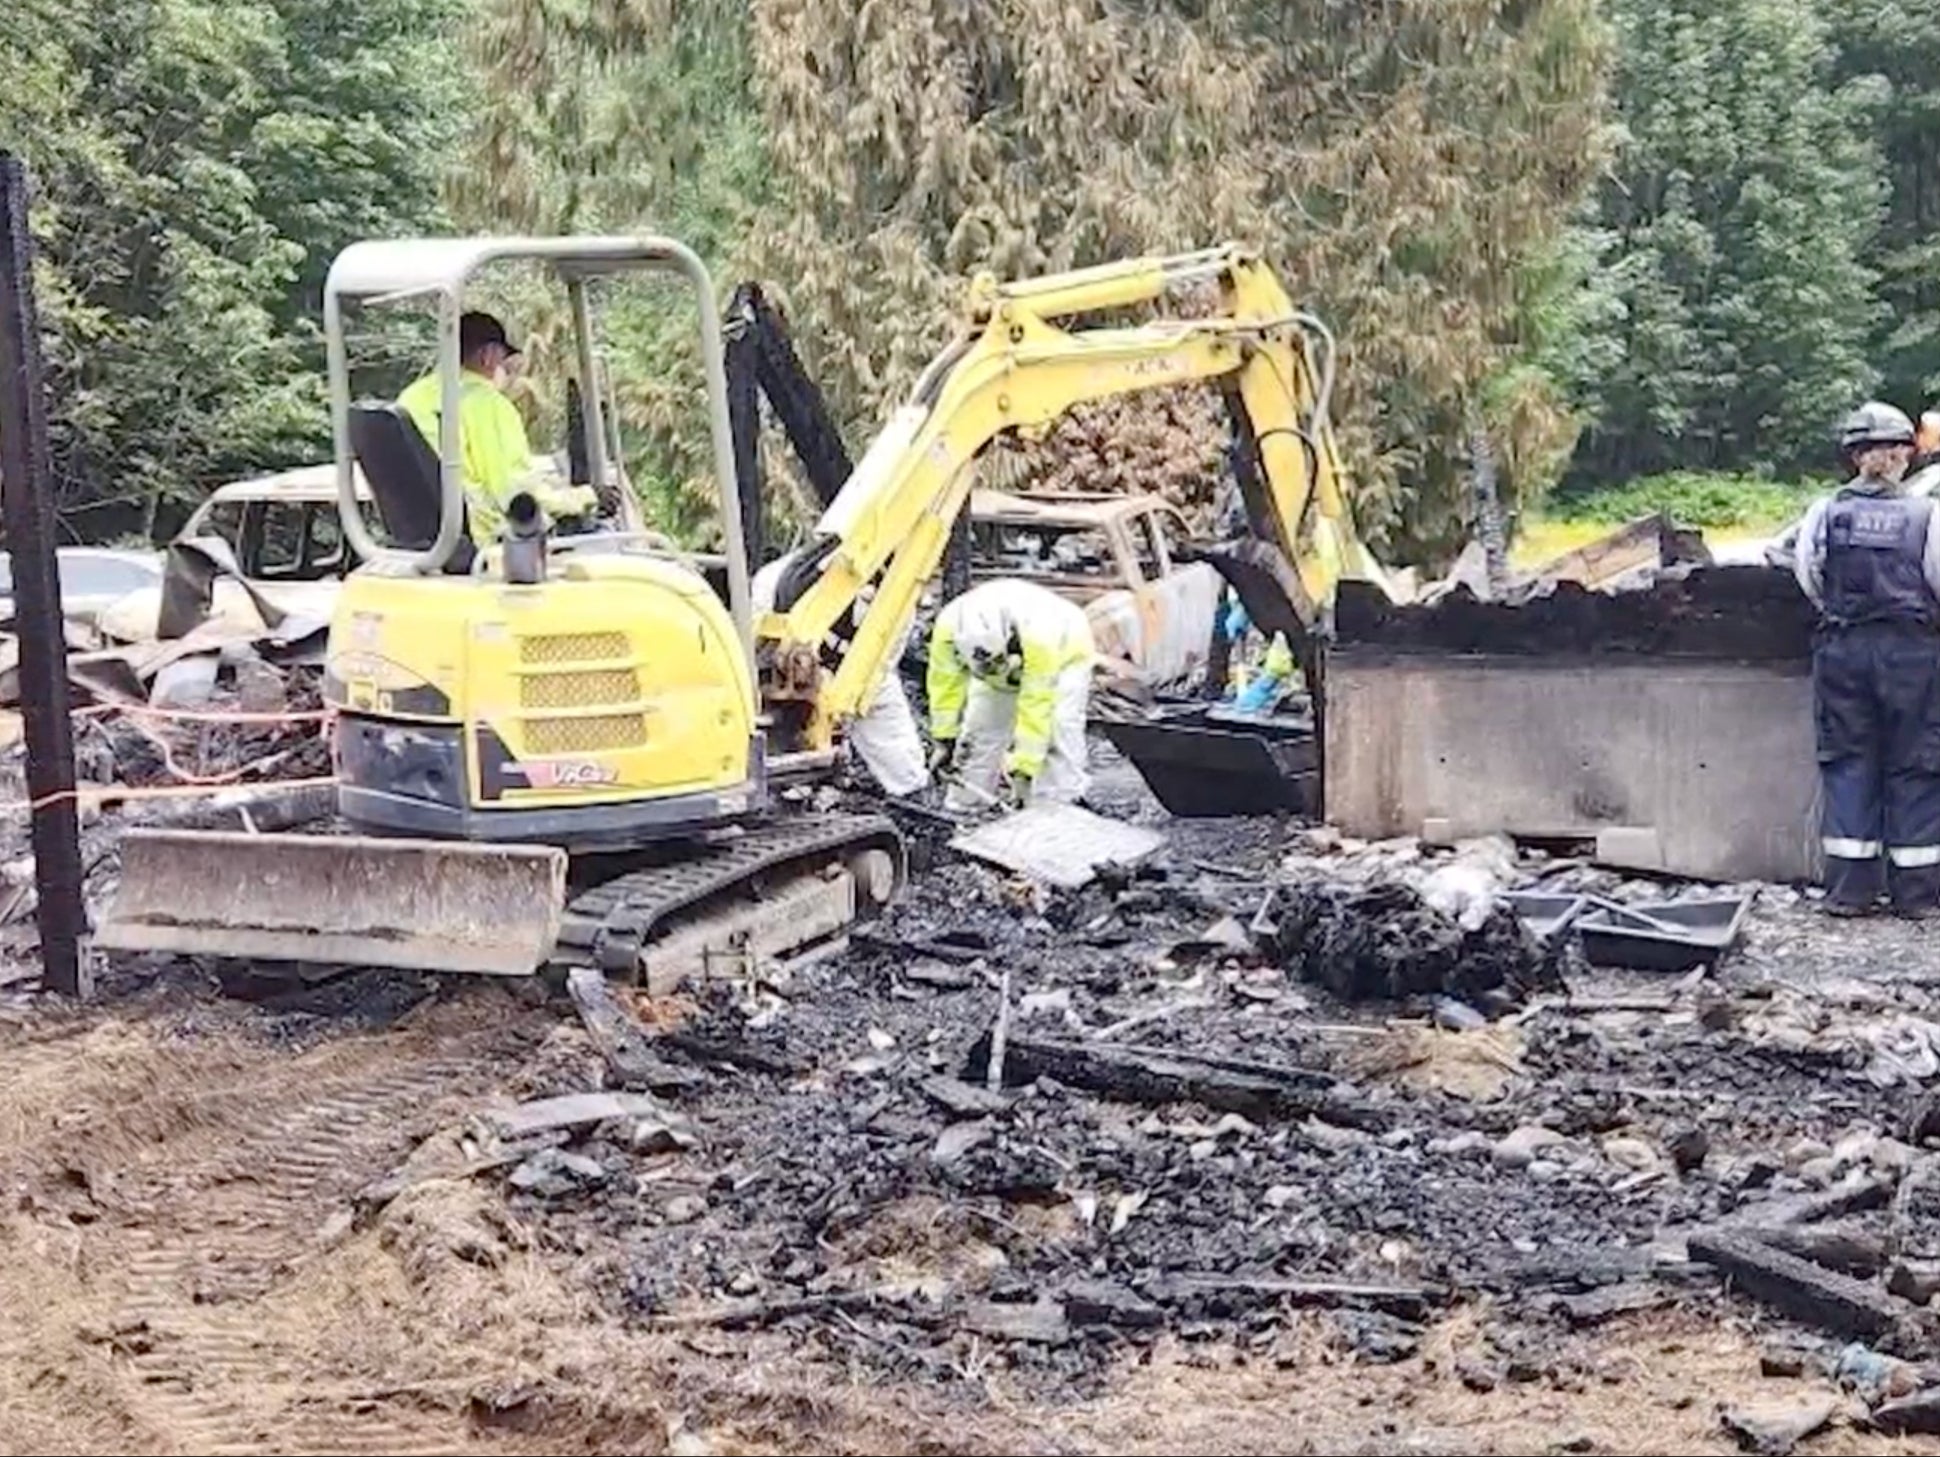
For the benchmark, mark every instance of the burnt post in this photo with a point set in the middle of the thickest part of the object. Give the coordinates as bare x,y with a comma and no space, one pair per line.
27,508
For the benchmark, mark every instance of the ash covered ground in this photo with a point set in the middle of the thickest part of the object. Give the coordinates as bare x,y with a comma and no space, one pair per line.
1256,1084
837,1169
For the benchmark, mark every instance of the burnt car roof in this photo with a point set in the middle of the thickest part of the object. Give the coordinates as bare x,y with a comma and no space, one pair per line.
1049,508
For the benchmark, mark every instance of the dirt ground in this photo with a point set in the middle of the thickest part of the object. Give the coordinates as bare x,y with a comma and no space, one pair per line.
182,1274
190,1260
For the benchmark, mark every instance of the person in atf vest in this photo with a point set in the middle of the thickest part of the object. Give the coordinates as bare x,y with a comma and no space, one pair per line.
1869,558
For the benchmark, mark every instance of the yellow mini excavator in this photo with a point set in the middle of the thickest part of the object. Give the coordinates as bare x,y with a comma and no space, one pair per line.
568,756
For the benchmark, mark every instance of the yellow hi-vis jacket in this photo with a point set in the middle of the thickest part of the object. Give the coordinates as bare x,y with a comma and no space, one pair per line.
1025,636
492,450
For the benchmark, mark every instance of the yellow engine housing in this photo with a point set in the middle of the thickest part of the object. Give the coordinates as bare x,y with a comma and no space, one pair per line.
605,707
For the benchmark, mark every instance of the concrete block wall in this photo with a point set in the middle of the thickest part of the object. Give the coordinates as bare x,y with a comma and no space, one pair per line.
1704,767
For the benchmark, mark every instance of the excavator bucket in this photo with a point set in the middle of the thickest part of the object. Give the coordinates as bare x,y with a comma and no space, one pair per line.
1268,584
1203,762
413,904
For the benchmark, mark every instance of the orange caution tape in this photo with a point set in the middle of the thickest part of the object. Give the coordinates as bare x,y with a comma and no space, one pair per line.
191,715
103,793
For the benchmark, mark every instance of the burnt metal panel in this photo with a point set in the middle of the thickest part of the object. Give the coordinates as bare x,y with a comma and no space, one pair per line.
1743,613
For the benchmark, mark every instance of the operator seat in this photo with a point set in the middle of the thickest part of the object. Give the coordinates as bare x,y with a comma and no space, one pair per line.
402,470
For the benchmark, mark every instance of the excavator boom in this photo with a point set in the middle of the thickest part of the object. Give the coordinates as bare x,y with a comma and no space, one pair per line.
1016,367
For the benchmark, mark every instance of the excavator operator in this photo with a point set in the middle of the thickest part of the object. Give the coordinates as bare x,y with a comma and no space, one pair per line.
1009,684
492,442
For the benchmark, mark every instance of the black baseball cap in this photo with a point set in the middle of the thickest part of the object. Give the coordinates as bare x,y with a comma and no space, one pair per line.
476,330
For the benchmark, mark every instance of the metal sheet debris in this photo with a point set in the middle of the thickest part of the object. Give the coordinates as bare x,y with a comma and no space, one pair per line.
1485,717
1659,936
1631,552
1546,915
575,1110
1059,844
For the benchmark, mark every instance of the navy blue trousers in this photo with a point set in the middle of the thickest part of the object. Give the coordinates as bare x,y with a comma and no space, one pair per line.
1876,691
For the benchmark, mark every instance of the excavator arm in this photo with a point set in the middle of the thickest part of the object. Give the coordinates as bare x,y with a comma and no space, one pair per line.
1016,366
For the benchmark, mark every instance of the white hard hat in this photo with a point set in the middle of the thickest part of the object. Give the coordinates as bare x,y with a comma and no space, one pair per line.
982,633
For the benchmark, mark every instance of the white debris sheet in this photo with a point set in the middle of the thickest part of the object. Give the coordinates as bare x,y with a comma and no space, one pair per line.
1059,844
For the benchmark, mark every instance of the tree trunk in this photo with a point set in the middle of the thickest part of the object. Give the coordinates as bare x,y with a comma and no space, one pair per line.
1488,506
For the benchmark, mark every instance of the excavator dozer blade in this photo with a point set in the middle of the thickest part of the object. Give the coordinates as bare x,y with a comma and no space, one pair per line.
412,904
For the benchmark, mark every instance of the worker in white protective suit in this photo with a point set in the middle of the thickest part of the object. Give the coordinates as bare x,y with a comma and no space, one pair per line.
1009,684
884,736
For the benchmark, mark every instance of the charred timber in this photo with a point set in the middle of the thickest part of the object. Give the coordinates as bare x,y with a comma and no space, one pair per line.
1163,1076
1736,613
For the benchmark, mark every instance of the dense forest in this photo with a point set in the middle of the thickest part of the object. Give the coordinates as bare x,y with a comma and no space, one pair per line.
1609,238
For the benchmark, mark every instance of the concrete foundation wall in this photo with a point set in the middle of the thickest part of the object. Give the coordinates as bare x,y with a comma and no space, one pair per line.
1697,768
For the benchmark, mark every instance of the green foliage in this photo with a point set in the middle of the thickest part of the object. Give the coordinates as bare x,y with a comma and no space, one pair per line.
1532,406
1744,207
198,163
1889,54
620,115
1400,163
1756,251
367,109
1692,498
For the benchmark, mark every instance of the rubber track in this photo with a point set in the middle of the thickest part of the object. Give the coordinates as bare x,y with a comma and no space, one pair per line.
235,1226
634,905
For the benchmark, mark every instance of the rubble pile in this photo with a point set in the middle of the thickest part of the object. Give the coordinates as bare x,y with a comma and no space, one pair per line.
138,749
1266,1070
249,747
294,748
1224,1088
1386,941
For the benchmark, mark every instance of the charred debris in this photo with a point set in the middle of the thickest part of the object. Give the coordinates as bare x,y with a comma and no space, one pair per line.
1266,1069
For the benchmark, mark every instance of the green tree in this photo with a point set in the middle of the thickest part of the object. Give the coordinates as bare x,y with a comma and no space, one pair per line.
198,162
1401,163
1889,50
620,115
1560,346
368,101
1744,206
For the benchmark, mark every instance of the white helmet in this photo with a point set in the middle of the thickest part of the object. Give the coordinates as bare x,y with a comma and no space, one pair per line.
982,633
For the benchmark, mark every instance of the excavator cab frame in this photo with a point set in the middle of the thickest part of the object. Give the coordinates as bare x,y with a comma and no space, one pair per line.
446,673
441,271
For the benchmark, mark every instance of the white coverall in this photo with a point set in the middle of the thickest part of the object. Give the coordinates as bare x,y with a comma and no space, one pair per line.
885,735
1010,675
